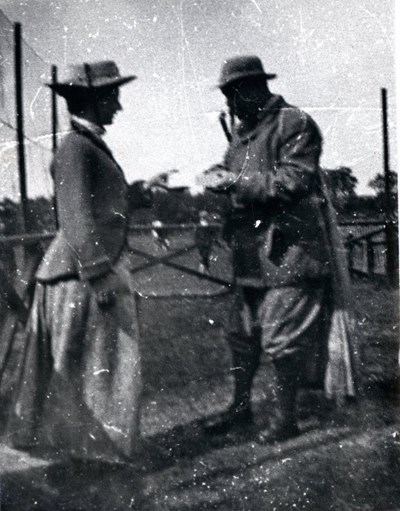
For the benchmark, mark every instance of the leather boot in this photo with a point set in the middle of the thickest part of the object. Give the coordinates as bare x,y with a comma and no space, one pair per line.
246,359
283,423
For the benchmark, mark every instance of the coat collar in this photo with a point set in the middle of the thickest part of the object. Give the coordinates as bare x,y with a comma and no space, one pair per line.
91,126
97,141
271,108
94,137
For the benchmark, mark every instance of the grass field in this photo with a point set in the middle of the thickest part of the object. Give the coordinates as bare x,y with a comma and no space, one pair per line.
346,460
183,338
186,322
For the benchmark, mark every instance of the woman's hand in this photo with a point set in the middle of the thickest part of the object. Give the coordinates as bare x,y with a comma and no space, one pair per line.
108,288
113,296
170,180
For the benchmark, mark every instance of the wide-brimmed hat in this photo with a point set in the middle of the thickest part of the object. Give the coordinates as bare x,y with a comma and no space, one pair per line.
240,68
88,76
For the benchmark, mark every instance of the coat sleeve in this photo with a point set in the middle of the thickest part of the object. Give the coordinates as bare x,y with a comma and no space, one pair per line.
73,174
295,171
140,196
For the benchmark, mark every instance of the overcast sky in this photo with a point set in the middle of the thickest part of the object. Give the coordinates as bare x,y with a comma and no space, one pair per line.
332,58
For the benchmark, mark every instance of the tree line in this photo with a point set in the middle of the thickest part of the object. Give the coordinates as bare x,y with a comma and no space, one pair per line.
183,207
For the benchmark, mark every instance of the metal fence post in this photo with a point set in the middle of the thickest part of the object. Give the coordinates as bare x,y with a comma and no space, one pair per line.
54,130
54,116
20,123
390,229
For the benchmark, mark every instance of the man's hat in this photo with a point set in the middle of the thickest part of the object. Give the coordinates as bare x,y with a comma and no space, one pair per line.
242,67
85,77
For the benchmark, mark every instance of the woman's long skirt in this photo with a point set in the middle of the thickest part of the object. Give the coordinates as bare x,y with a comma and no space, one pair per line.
80,384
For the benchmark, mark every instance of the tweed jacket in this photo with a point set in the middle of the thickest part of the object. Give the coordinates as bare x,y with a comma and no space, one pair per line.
275,228
92,200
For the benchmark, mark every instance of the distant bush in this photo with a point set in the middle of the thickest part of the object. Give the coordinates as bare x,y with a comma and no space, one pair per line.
40,213
180,207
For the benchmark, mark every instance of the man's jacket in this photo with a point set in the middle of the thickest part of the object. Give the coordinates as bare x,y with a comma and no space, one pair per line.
275,228
92,199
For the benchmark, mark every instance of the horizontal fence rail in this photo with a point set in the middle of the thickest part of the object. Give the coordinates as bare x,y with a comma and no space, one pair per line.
367,250
365,241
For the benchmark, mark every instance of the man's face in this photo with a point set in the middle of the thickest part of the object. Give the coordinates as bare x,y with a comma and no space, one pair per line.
108,105
244,98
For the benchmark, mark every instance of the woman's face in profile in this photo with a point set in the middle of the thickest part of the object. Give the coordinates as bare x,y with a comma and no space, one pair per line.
108,105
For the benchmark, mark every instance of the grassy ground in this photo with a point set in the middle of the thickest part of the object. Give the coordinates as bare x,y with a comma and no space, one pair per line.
345,459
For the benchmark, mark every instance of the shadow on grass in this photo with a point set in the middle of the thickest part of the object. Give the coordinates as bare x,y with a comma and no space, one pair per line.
67,487
104,487
184,459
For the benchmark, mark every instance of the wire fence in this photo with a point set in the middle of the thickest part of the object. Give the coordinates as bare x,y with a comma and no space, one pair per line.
37,128
8,154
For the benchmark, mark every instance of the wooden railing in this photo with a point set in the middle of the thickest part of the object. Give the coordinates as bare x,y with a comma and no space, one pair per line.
21,254
367,252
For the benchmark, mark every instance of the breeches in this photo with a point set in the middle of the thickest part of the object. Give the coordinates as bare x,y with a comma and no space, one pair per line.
286,321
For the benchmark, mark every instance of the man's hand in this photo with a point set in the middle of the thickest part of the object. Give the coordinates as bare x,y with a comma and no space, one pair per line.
217,178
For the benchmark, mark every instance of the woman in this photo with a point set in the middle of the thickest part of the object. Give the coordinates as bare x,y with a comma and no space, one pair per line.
81,380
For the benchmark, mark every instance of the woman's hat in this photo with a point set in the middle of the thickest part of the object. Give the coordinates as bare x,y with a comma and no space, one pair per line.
242,67
85,77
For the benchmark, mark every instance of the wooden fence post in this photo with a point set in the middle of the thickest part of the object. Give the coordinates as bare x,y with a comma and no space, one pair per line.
370,257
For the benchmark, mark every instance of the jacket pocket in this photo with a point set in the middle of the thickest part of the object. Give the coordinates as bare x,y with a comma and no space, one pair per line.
284,263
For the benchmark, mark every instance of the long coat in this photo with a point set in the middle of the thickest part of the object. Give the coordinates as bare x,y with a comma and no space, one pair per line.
283,233
80,383
276,229
92,203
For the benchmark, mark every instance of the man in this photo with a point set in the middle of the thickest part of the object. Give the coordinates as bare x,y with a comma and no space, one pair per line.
279,243
80,384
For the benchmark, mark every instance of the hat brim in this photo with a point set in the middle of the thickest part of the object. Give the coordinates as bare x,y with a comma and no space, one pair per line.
247,76
67,89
